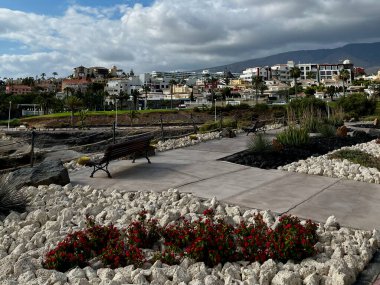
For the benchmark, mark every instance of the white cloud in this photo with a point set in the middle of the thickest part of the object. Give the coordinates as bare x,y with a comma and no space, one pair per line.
174,34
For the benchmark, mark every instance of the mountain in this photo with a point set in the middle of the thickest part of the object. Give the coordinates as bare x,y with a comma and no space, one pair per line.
365,55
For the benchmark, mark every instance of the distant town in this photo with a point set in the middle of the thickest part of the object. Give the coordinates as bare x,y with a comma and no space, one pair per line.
102,88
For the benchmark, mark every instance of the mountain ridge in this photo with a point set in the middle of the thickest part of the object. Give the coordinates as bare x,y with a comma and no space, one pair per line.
366,55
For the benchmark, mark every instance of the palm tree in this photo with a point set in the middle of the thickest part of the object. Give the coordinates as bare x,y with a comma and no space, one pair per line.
73,103
146,89
43,74
55,74
172,82
257,81
295,72
344,75
135,95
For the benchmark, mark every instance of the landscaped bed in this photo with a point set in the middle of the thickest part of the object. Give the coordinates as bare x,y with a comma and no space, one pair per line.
336,255
272,158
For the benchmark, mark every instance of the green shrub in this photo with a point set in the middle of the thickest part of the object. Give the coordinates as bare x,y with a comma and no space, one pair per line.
259,143
357,104
357,156
327,130
311,123
229,123
261,107
209,126
299,105
83,160
293,136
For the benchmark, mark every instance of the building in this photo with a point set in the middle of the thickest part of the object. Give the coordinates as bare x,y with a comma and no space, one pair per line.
74,85
17,89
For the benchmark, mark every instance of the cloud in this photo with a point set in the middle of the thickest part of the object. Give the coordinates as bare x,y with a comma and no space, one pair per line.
173,35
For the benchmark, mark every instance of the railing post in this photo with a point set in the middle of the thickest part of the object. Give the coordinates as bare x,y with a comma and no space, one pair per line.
32,149
162,127
221,120
114,132
193,122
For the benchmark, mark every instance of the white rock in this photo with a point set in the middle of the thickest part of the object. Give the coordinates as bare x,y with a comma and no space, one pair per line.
285,277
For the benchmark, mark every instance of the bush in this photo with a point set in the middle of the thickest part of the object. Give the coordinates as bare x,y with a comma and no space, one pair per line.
293,136
209,126
291,240
83,160
258,143
261,107
327,130
357,104
299,105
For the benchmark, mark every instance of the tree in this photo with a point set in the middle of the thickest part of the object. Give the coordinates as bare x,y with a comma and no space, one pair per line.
43,74
123,95
344,75
73,103
226,92
46,101
295,72
146,89
55,74
135,95
257,81
172,82
330,91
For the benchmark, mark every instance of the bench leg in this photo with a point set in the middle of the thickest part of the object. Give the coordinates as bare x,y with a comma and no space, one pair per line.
101,167
146,156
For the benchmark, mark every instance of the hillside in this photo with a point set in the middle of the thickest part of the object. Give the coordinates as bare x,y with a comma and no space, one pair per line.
365,55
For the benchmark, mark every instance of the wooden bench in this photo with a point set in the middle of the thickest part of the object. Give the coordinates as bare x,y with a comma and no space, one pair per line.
256,126
134,146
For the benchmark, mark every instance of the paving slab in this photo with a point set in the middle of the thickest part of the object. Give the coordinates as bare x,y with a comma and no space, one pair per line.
354,204
283,192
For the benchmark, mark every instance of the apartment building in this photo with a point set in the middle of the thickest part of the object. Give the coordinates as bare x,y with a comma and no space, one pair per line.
18,89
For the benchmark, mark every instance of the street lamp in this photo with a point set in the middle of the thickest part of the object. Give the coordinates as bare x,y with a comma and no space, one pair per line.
116,113
9,114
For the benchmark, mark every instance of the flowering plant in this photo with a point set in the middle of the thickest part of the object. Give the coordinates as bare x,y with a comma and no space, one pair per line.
207,240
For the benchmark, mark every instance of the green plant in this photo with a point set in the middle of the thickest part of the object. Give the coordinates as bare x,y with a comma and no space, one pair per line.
258,143
291,240
293,136
11,198
83,160
357,104
209,126
327,130
357,156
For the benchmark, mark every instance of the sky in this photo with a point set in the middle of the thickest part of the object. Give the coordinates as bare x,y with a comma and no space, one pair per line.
45,36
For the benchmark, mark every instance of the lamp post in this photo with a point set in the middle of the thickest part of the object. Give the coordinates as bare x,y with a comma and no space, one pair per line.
116,113
215,108
9,114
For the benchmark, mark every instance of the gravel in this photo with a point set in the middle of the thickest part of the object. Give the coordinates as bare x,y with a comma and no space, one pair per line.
55,211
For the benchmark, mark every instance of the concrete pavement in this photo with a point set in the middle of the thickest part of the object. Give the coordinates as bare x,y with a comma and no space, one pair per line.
196,169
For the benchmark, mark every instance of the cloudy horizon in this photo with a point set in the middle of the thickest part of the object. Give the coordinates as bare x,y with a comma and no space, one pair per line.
170,35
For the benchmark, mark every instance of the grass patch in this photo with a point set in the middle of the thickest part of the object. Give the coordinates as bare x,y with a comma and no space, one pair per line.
358,157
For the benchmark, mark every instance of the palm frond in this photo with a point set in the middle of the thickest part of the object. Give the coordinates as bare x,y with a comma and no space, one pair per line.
11,198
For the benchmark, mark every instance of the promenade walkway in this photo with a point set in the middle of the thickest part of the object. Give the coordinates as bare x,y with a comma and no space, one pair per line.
196,169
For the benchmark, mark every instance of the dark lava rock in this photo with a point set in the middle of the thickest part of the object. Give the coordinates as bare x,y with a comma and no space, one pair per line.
47,172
